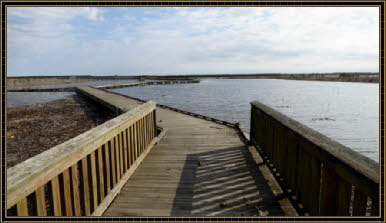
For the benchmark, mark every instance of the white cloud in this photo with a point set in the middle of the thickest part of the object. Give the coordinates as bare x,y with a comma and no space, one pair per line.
35,34
200,40
93,14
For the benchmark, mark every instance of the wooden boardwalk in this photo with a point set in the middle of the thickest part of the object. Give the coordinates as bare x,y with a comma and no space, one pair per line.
199,168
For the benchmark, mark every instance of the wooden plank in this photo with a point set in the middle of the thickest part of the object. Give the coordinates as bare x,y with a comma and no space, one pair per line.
269,139
315,186
307,177
144,124
120,144
359,203
107,167
101,174
113,165
343,197
148,138
135,137
41,202
300,176
149,129
189,141
117,158
67,192
56,196
253,127
138,140
283,154
206,165
185,204
293,153
143,130
328,192
275,140
151,119
86,191
22,207
130,145
140,135
375,207
25,178
264,131
259,132
122,152
155,122
142,175
94,180
164,196
75,189
125,150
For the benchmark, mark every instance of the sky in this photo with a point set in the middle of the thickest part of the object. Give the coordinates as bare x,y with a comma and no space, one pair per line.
197,40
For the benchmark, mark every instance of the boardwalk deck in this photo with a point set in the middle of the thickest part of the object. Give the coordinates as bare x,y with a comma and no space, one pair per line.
200,168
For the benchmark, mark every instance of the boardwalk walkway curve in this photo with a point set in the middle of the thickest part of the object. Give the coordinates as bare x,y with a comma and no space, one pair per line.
199,168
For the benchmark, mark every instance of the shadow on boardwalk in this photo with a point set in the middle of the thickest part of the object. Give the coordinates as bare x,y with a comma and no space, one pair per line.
224,182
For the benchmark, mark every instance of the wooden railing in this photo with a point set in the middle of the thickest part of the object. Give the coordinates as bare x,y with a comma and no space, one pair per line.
81,176
328,178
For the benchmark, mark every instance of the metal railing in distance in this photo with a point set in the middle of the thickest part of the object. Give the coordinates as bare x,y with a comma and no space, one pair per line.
328,178
81,176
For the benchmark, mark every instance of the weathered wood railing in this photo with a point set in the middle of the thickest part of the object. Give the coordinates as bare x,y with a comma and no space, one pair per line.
81,176
328,178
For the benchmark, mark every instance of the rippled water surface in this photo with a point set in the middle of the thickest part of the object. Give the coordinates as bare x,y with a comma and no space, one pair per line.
345,112
15,99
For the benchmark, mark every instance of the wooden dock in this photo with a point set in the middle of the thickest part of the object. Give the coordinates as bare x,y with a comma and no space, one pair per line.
199,168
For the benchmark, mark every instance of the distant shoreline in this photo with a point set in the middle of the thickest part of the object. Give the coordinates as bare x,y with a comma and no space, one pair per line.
22,81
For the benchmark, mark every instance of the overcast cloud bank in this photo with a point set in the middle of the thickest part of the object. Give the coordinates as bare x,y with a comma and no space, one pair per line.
124,41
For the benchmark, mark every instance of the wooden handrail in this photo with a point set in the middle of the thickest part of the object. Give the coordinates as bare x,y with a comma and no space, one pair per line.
78,176
326,176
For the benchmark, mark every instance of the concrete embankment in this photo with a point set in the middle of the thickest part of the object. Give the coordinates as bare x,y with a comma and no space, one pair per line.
69,89
35,81
104,86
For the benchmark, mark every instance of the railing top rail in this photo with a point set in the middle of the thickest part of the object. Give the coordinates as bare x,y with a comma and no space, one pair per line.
29,175
350,158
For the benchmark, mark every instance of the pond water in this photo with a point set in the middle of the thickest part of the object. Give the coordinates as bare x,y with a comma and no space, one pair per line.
346,112
15,99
